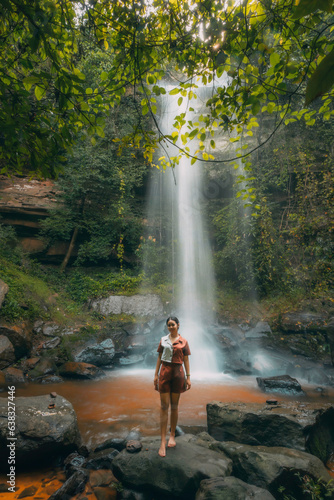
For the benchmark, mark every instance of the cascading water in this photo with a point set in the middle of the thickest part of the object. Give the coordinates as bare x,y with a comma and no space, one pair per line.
175,202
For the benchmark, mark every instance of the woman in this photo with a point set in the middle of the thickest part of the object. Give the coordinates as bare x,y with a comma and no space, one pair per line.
171,382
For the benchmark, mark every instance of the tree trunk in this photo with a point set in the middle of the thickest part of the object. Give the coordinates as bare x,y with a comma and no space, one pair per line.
70,249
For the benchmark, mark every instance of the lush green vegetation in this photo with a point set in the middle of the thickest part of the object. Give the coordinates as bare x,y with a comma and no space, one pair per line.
270,51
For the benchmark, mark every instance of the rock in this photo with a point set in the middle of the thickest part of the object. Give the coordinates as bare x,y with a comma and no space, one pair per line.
14,376
19,337
46,366
28,492
75,484
127,494
271,468
230,488
137,305
29,364
284,384
42,434
302,322
73,463
51,379
101,459
102,477
7,353
262,329
51,329
105,493
3,291
306,427
52,343
179,473
117,443
131,360
80,370
133,446
2,379
100,354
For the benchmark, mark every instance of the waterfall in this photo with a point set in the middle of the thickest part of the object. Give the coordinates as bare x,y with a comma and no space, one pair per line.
176,219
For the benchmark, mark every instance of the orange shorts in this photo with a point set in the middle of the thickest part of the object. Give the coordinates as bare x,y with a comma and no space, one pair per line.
172,378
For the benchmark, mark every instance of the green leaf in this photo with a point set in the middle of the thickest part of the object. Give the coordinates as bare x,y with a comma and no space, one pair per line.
322,79
306,7
179,101
39,92
174,91
100,131
274,59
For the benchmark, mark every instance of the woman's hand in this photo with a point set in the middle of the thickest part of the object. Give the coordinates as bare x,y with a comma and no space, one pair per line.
188,384
155,382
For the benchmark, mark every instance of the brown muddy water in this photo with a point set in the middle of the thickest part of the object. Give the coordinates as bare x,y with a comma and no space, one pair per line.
126,401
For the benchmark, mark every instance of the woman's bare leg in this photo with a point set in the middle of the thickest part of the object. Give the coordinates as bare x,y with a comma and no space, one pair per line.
164,399
173,418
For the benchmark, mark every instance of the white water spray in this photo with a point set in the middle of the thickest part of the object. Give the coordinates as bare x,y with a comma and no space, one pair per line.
178,196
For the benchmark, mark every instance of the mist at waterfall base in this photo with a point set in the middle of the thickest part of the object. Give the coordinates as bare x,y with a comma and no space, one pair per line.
175,216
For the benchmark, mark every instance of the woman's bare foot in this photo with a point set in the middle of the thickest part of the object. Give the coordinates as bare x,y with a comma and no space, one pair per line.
171,442
162,450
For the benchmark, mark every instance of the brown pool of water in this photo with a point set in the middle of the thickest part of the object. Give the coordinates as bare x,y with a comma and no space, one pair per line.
126,400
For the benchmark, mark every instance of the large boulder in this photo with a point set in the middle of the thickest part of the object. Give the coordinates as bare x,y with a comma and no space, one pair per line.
283,384
99,354
7,353
14,376
303,426
137,305
72,369
41,433
45,366
276,467
19,337
3,291
178,474
230,488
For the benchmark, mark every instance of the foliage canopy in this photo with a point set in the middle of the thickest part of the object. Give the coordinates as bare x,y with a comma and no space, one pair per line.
259,54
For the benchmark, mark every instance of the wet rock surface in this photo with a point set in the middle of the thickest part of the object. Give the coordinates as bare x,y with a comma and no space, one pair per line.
271,468
180,472
230,488
14,376
302,426
283,384
72,369
41,433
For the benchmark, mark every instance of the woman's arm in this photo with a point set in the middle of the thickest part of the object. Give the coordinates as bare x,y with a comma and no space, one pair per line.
187,368
157,368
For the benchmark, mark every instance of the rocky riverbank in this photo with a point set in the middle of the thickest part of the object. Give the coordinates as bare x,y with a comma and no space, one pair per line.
48,352
263,450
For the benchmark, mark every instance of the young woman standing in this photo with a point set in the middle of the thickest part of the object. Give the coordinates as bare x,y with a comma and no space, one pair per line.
171,381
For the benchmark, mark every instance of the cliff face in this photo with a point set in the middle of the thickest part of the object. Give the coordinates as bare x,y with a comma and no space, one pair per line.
23,204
